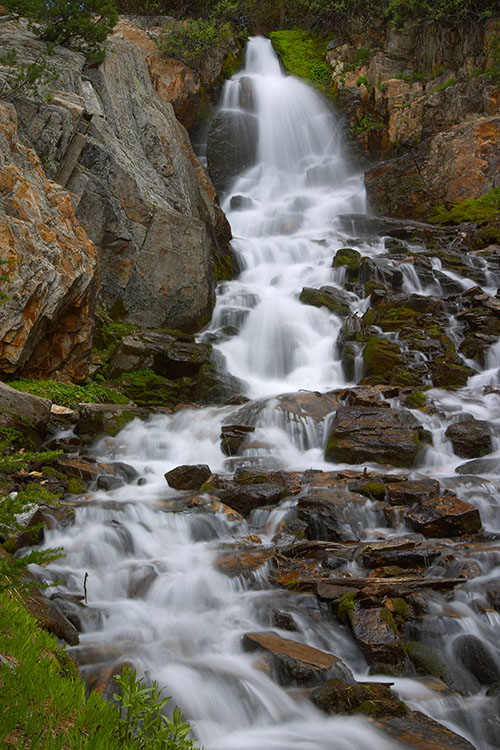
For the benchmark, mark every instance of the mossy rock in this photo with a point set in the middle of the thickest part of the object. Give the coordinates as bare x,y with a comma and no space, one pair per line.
450,375
146,388
372,699
349,257
380,357
484,211
427,661
414,400
333,299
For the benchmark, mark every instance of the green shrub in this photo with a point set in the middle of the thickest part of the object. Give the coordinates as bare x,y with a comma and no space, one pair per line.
188,41
141,723
81,24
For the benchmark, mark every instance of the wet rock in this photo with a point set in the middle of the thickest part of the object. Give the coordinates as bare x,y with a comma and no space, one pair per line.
242,560
416,731
106,419
231,146
445,516
50,617
412,491
188,477
108,482
374,434
350,258
471,438
245,498
382,226
381,357
125,471
333,299
372,698
283,620
427,661
330,511
477,658
480,466
232,438
140,581
296,663
376,633
405,554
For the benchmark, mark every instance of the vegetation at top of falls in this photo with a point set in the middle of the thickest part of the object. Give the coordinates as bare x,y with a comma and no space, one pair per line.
69,395
303,55
81,24
43,701
188,41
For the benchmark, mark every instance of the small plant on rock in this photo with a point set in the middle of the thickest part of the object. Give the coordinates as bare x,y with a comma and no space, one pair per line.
141,723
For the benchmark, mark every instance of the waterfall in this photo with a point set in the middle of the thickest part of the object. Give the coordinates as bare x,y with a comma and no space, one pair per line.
155,595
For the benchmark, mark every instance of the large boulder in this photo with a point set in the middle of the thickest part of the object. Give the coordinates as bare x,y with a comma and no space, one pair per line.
361,434
22,411
136,185
470,439
49,268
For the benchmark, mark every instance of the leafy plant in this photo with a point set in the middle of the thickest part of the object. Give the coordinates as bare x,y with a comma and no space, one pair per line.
12,506
189,40
142,725
81,24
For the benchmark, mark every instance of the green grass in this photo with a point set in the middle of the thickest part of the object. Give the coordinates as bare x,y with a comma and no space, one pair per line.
44,707
69,395
303,54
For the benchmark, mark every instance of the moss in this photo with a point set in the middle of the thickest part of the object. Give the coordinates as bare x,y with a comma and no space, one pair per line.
387,616
426,660
372,286
380,356
75,487
415,400
146,388
375,490
393,571
476,210
400,608
346,607
303,55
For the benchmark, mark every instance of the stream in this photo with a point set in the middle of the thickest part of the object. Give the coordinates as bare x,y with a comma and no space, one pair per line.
156,597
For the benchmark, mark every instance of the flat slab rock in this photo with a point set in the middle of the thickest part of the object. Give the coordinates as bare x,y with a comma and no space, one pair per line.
296,662
445,516
417,731
376,434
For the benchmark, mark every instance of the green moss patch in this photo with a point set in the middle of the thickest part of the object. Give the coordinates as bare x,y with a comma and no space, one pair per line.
303,55
68,395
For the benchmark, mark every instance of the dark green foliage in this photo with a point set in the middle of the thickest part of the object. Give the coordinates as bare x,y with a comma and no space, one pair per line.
189,40
81,24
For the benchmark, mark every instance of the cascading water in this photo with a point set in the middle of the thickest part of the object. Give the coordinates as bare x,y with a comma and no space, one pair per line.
155,597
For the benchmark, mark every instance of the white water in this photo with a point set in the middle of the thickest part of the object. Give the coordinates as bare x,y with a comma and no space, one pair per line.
184,629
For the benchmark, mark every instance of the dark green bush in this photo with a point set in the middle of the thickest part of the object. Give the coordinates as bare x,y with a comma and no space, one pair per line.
80,24
189,40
